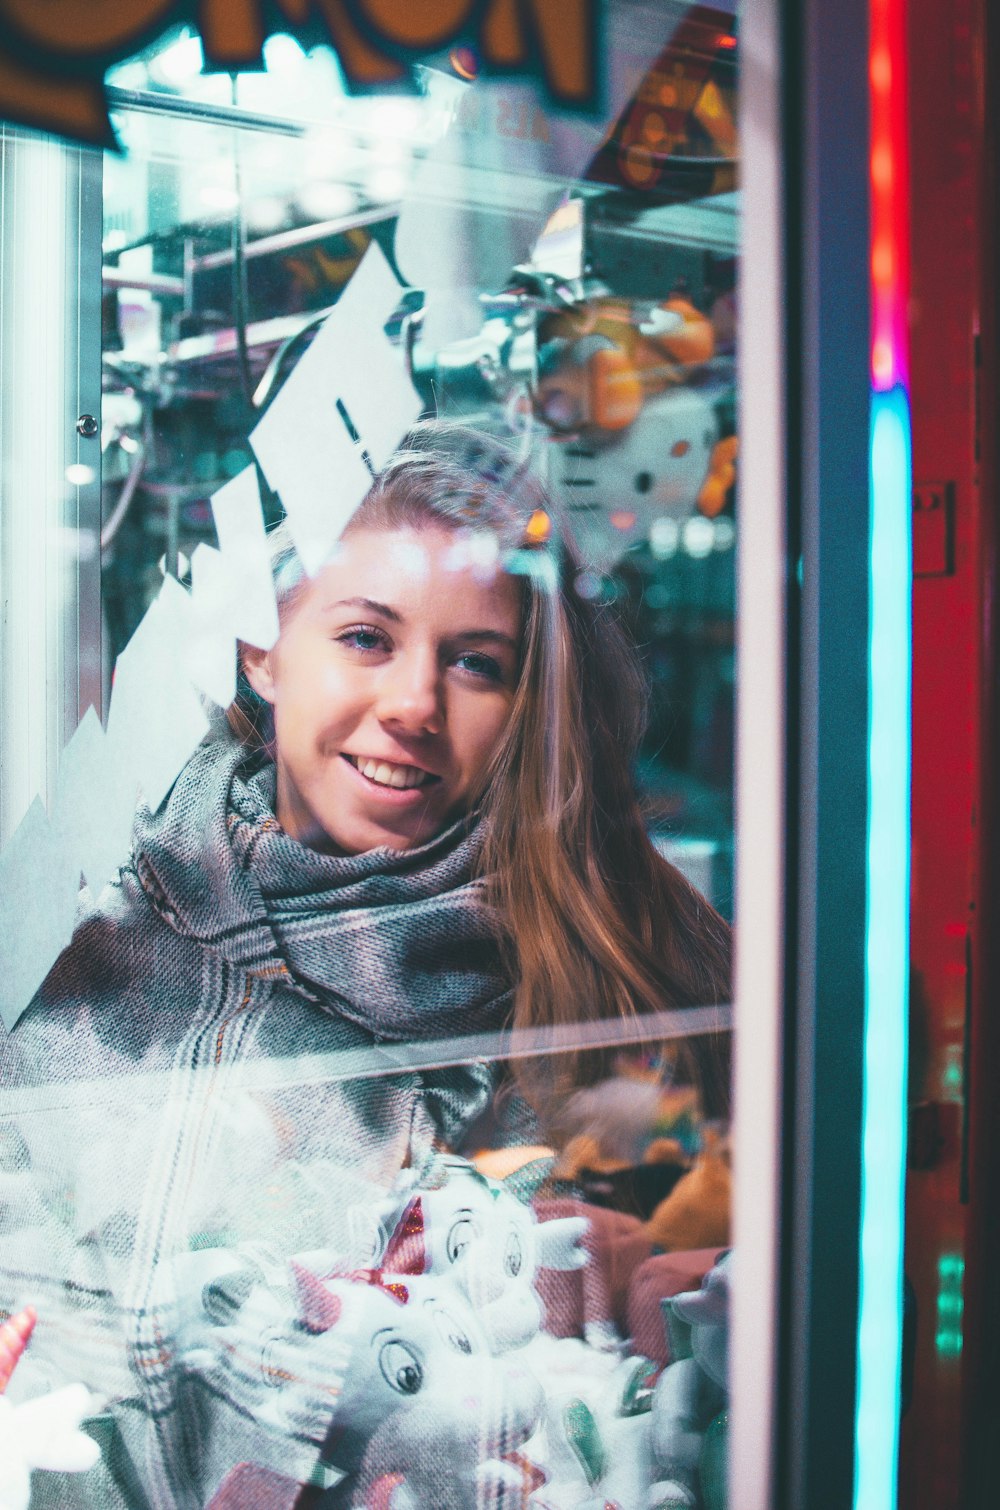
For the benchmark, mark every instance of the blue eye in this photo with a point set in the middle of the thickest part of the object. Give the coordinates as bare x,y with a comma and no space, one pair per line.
362,638
481,665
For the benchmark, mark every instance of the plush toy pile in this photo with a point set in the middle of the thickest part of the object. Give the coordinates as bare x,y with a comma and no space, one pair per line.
433,1375
444,1389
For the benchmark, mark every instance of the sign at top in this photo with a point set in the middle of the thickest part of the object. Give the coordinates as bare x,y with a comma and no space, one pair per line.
54,53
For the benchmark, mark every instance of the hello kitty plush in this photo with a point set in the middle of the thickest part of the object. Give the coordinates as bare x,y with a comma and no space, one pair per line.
462,1223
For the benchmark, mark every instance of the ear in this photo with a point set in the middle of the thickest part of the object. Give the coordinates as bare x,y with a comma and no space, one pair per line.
584,1437
318,1308
256,665
560,1243
406,1252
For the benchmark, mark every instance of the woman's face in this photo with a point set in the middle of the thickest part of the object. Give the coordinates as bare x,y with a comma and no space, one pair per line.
391,684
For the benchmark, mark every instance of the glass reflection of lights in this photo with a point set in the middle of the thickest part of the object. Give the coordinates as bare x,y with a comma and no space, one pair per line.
282,53
887,923
698,536
725,533
179,62
664,537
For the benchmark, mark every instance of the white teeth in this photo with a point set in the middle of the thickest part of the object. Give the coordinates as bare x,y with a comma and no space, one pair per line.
400,776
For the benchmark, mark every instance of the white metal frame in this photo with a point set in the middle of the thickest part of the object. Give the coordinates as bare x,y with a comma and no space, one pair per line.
760,768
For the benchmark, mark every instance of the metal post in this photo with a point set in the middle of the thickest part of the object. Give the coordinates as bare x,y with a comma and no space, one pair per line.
827,407
50,458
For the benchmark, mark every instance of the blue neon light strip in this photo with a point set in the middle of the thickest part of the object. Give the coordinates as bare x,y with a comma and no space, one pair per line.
887,957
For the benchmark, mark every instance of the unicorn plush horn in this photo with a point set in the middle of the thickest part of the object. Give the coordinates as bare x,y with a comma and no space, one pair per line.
14,1336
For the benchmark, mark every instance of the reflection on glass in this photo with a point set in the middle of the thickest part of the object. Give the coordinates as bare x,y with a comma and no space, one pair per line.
372,1134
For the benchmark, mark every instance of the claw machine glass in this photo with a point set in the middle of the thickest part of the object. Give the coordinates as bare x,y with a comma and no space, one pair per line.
454,598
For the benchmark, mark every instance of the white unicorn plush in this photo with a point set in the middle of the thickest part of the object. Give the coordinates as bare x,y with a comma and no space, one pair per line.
413,1410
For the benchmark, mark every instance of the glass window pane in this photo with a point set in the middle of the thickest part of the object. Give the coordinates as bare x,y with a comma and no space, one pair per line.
378,1110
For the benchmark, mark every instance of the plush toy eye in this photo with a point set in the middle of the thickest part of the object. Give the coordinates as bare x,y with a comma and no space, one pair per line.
401,1368
463,1232
512,1256
452,1332
270,1364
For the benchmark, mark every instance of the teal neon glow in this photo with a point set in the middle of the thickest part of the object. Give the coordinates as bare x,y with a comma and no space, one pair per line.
948,1337
887,957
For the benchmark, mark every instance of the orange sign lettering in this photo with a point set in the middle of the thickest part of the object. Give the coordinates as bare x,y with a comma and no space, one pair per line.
53,55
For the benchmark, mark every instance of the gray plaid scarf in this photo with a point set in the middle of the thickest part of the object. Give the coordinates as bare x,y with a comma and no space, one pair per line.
402,942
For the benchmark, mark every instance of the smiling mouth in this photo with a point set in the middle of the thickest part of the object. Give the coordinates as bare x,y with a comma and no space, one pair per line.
383,773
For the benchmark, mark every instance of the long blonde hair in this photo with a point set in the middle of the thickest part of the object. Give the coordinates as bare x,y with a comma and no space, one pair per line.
597,923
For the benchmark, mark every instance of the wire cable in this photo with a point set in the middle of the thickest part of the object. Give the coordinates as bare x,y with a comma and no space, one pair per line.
240,294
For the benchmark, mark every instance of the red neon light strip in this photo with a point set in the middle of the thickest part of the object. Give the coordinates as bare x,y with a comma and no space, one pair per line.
889,164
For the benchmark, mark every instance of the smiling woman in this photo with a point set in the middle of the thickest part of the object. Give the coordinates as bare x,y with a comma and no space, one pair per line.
378,911
388,707
442,664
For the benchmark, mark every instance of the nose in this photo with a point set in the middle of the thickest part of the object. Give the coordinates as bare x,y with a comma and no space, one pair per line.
411,694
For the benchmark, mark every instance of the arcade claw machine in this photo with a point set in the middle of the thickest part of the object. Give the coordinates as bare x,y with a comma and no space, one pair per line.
671,306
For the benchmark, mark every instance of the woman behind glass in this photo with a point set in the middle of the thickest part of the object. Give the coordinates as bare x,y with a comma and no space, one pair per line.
426,827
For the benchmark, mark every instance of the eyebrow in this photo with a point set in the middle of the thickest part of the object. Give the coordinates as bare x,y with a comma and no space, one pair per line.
382,609
476,636
487,636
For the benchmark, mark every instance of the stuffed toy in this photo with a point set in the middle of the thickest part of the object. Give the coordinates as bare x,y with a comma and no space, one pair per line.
613,1442
424,1379
628,1133
463,1224
596,1445
600,361
659,1277
696,1212
689,1421
40,1433
592,1303
426,1403
630,391
391,1375
634,1115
